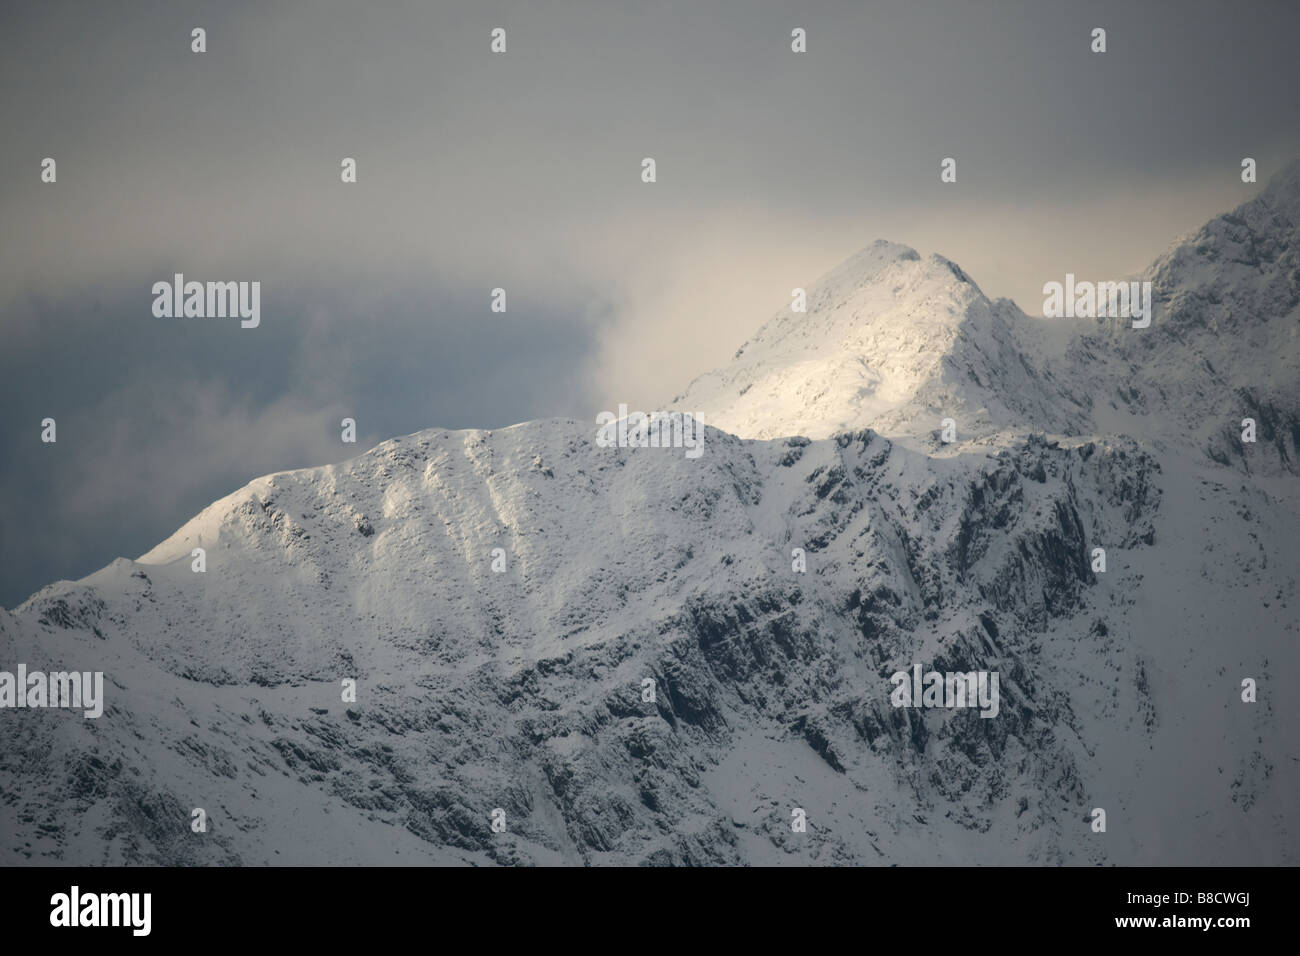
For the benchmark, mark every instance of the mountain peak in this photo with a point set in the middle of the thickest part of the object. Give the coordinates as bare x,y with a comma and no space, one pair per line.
882,257
1233,248
890,340
874,256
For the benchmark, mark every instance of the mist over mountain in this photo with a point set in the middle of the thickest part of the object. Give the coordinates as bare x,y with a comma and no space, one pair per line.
502,598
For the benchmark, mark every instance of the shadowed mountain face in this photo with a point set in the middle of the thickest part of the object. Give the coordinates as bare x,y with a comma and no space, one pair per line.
646,658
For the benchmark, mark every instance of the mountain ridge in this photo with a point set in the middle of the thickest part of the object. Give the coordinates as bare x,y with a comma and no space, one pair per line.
501,598
854,361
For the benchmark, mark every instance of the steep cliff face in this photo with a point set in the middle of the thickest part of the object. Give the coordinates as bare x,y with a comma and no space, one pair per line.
641,657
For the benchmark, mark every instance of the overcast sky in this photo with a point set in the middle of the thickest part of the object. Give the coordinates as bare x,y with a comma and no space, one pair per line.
522,171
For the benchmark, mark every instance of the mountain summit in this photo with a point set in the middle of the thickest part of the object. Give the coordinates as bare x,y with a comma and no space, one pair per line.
897,343
891,341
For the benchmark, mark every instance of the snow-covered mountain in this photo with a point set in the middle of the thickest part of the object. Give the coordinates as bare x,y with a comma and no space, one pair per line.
895,341
525,689
1225,340
900,342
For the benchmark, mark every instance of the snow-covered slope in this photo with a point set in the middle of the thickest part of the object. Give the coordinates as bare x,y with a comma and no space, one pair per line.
1225,341
897,343
893,341
524,688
